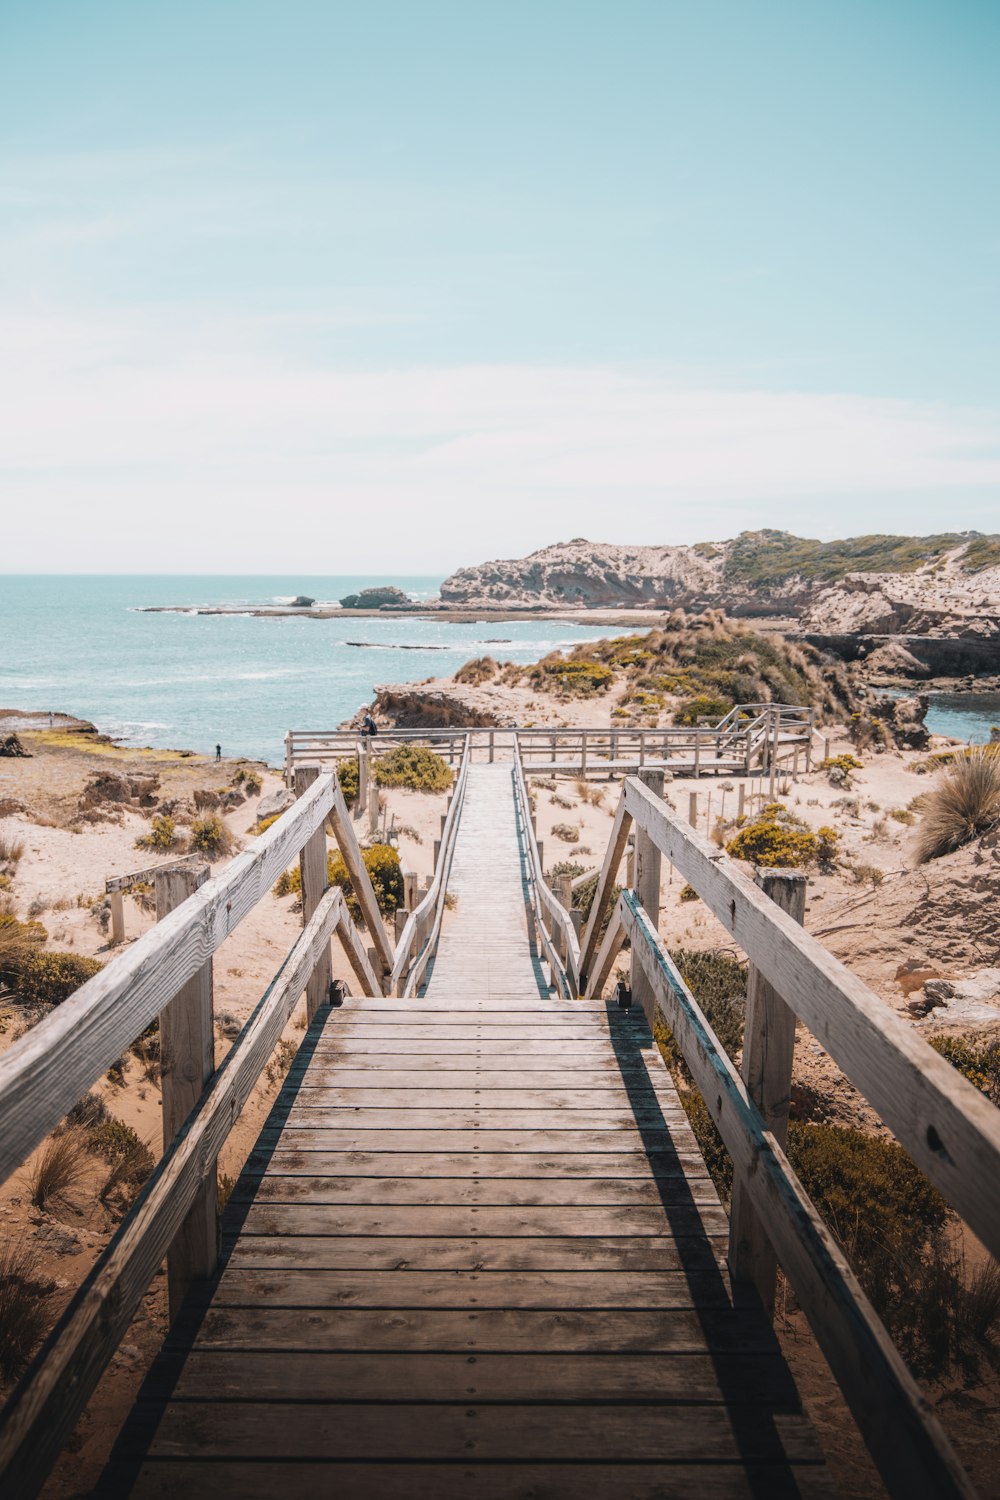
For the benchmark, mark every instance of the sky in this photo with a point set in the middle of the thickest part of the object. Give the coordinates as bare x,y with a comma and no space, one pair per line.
404,286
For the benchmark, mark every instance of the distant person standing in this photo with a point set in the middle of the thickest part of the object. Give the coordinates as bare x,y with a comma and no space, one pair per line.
368,725
218,752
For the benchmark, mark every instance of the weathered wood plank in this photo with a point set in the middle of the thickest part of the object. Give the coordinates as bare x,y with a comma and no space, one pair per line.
347,843
443,1192
470,1289
523,1253
263,1480
405,1220
751,1380
428,1432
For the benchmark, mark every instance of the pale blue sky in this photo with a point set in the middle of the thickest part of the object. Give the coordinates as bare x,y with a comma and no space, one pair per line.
455,280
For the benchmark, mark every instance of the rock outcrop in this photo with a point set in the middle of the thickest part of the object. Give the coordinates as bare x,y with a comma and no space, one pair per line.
384,597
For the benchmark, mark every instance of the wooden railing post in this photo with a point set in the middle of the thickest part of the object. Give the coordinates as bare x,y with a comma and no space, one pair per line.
768,1053
364,772
315,879
647,888
187,1061
117,899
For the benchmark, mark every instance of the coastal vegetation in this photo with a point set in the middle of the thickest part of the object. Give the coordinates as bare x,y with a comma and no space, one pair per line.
771,557
414,768
384,870
704,663
776,837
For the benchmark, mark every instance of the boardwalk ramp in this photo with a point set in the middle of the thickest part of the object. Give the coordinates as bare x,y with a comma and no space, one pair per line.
475,1252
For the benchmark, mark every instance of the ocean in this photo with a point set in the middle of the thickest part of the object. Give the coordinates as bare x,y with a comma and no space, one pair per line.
81,645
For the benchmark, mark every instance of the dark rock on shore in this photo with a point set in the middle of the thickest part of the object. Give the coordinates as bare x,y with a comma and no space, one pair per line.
376,598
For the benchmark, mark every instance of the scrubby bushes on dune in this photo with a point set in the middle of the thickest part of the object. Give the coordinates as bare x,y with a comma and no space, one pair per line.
384,871
209,835
775,838
413,767
702,707
964,804
38,976
480,669
704,655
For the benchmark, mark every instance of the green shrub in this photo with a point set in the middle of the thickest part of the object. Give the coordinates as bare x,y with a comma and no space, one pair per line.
266,823
719,984
839,768
414,767
978,1061
702,707
827,847
209,835
50,978
479,669
688,892
775,838
162,834
384,871
348,775
580,675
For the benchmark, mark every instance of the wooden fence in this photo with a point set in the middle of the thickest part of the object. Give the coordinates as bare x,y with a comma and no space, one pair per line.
750,737
167,973
950,1130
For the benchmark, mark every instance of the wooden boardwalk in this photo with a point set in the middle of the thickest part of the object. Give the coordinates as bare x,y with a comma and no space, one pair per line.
474,1253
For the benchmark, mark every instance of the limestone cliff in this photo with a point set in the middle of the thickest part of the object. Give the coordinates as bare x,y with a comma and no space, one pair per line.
947,584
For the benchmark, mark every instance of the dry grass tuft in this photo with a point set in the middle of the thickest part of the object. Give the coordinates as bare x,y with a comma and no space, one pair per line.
23,1317
61,1167
964,804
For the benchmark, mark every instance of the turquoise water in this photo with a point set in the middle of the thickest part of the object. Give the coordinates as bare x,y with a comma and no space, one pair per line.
964,716
80,645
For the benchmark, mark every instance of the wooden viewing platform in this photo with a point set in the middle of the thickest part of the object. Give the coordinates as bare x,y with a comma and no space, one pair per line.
476,1251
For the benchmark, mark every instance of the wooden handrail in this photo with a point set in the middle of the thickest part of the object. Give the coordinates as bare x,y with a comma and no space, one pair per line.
904,1438
408,967
948,1127
567,971
53,1065
44,1408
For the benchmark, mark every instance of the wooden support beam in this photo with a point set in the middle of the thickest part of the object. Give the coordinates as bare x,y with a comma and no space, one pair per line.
187,1062
604,892
693,809
768,1053
315,879
343,832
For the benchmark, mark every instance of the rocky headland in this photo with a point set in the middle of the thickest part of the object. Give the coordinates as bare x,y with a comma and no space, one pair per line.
945,586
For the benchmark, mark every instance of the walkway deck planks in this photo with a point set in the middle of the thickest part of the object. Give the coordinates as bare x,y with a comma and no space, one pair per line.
475,1252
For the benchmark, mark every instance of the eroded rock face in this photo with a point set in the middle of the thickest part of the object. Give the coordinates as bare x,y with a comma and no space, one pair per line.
127,791
278,802
904,718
